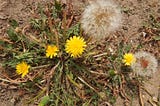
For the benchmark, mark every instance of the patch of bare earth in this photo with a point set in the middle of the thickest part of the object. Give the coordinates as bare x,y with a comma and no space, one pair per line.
135,12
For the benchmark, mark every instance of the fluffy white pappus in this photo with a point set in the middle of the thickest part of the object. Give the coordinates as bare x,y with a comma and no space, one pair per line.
145,65
100,18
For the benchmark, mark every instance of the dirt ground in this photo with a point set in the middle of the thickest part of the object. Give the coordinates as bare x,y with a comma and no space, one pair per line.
135,12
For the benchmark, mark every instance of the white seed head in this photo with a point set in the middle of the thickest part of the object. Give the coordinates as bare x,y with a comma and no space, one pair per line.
100,18
145,65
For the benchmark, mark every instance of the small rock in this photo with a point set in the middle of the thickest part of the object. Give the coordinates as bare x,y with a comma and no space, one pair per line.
2,91
13,100
144,34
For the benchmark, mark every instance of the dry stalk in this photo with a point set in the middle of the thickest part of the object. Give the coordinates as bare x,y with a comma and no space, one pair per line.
140,97
122,92
87,84
50,76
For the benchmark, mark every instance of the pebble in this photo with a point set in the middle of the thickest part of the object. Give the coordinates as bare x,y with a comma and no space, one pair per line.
2,90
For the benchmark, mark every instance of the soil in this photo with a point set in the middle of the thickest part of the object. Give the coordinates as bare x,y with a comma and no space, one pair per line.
135,13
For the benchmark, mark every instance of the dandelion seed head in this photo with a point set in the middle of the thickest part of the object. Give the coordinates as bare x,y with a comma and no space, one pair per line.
145,65
100,18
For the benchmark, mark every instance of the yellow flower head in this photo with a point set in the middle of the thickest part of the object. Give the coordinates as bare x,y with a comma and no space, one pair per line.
22,68
75,46
128,58
51,51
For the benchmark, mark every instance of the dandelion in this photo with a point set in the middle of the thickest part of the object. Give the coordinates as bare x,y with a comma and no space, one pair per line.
22,68
145,65
51,51
128,59
100,18
75,46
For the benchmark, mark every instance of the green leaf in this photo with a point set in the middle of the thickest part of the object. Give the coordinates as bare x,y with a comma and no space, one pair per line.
2,42
87,103
128,48
58,6
35,23
156,38
25,55
74,30
112,73
12,35
13,23
45,100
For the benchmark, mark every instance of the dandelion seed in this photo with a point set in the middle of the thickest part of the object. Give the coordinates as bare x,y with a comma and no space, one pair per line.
51,51
145,65
75,46
22,68
128,59
100,18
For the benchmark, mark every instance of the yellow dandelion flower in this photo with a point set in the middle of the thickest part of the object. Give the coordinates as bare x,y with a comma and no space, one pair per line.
22,68
51,51
128,59
75,46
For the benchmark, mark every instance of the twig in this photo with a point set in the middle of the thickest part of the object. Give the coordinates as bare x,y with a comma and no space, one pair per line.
6,40
122,92
29,77
11,81
24,29
99,55
151,102
87,84
57,38
70,21
73,82
107,103
93,72
146,91
42,66
159,94
23,45
5,80
39,95
18,82
140,97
